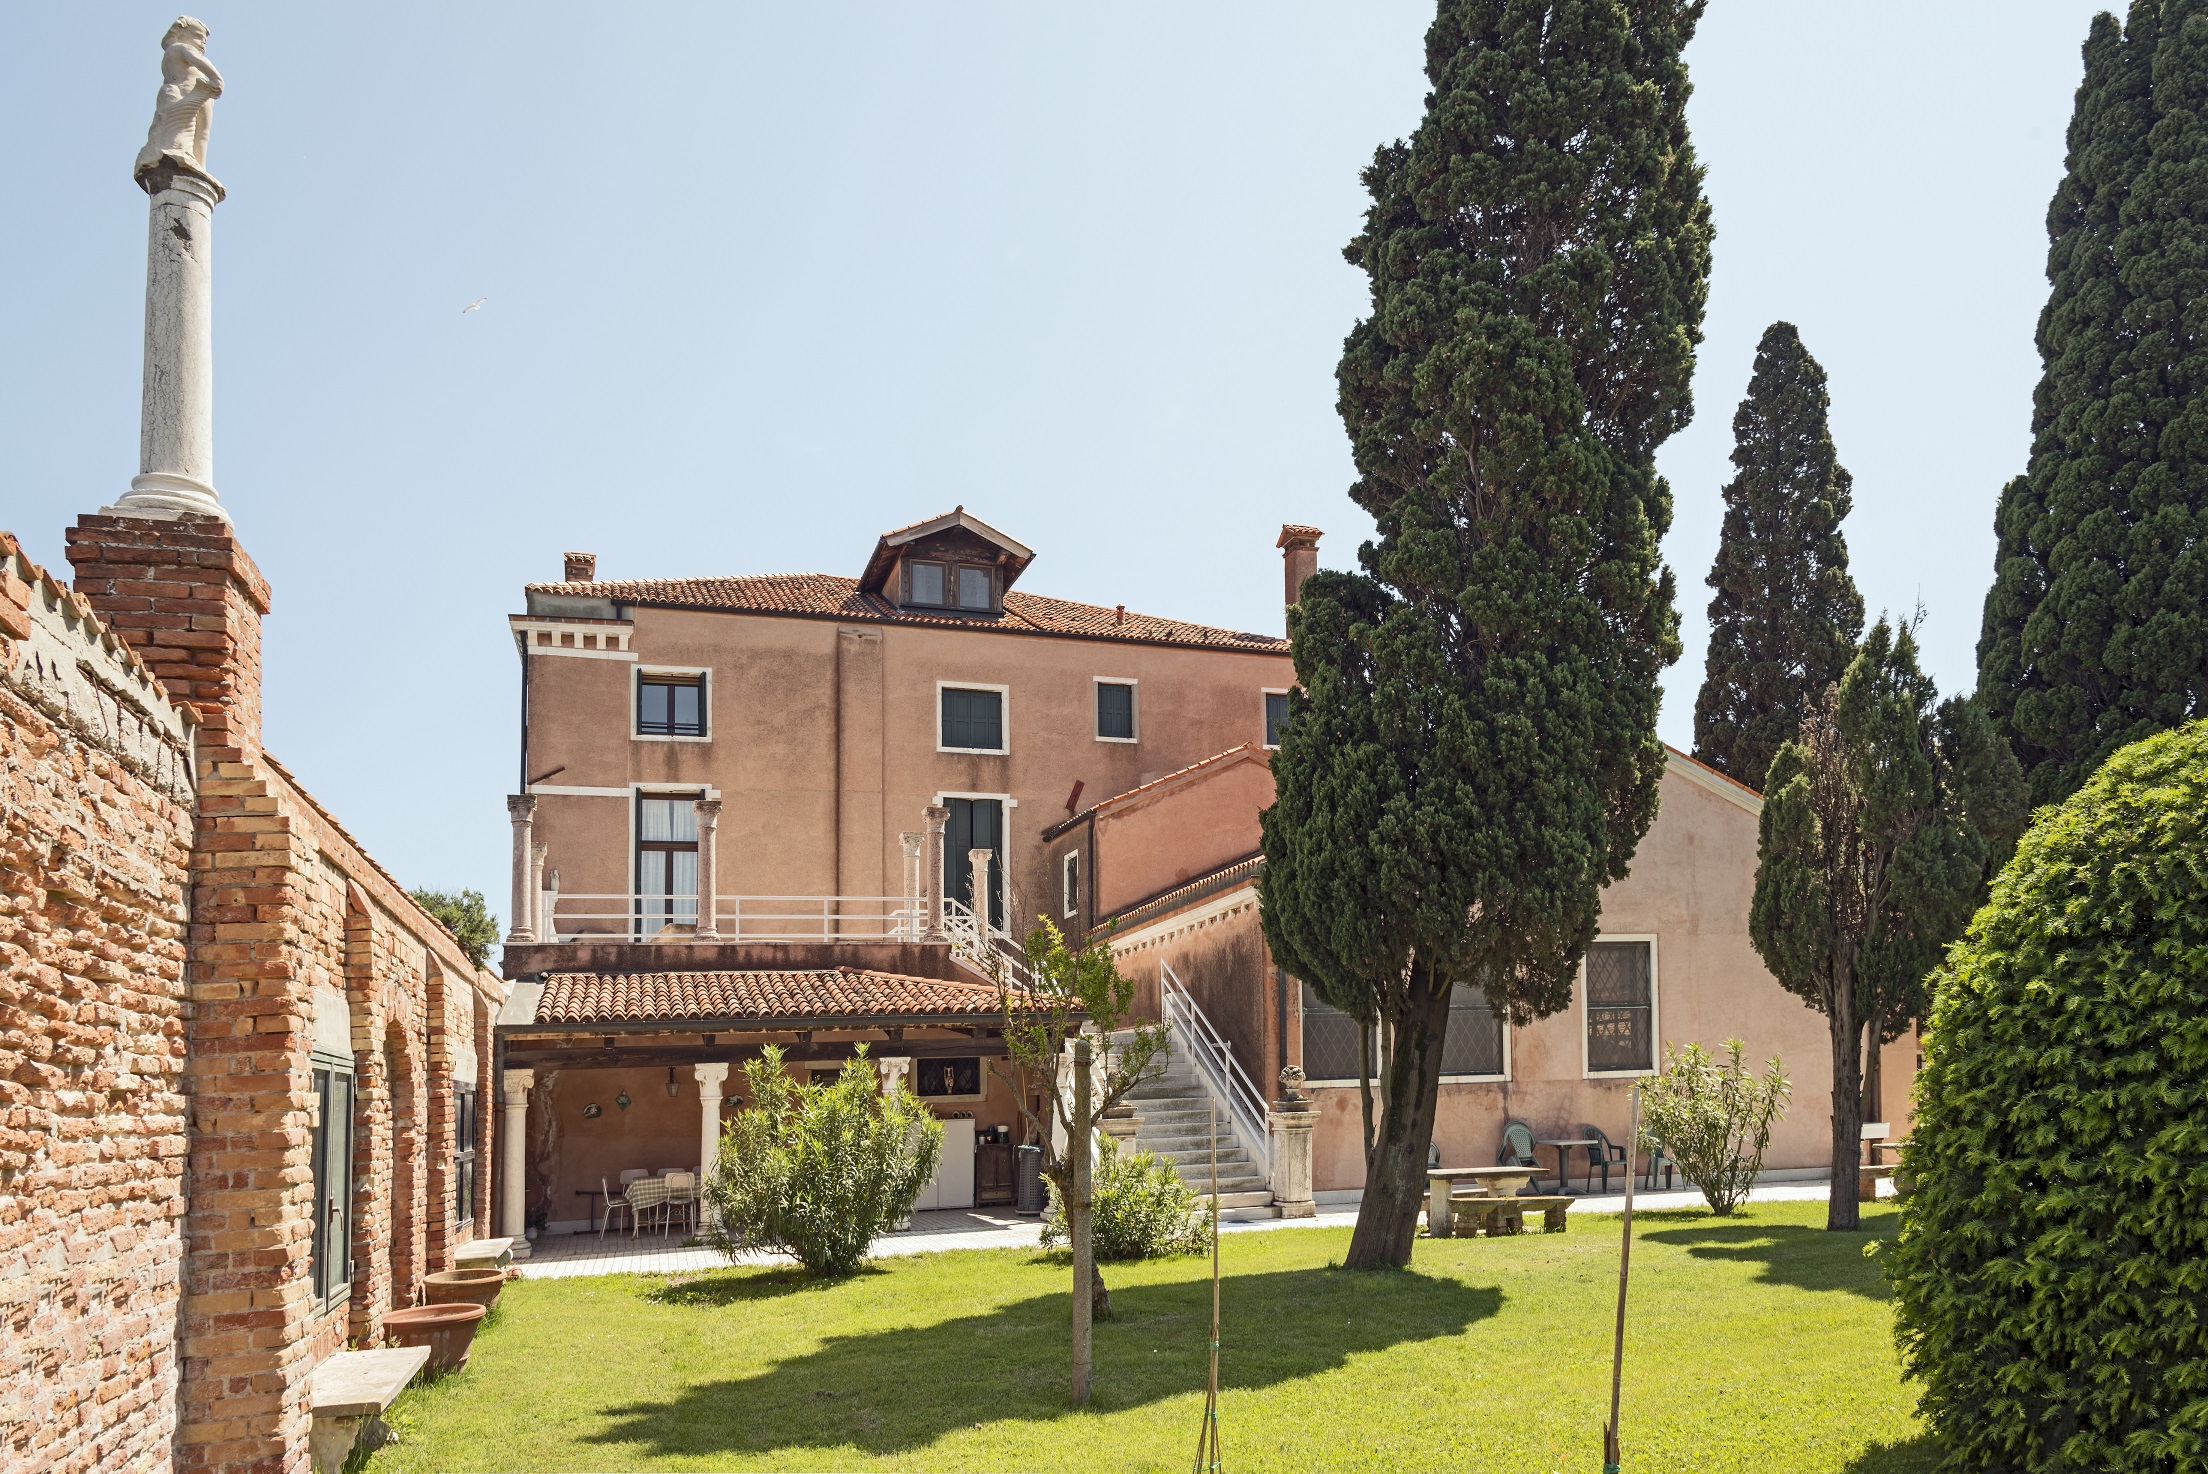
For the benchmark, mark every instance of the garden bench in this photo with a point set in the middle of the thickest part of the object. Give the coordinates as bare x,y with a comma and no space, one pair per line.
349,1394
1866,1182
1500,1215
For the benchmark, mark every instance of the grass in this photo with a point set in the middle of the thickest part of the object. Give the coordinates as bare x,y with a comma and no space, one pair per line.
1757,1342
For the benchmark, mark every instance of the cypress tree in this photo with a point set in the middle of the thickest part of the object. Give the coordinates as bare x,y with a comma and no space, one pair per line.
2094,633
1785,620
1473,755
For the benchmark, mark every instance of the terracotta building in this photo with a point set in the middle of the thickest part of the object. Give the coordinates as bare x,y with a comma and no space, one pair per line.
755,813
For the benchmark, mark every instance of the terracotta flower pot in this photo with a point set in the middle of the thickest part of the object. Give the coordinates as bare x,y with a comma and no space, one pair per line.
445,1329
465,1286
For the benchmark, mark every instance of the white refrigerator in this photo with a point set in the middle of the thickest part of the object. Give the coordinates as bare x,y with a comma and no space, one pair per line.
953,1183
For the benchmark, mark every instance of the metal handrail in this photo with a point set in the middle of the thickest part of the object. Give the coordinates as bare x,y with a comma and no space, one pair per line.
998,957
741,919
1222,1074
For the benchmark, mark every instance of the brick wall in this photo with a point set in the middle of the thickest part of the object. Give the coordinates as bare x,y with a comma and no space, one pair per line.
96,786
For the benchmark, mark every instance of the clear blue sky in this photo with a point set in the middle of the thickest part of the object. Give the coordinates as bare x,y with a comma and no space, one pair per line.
765,280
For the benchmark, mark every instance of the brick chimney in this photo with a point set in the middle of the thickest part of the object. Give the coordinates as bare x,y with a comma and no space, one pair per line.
1299,555
582,567
185,595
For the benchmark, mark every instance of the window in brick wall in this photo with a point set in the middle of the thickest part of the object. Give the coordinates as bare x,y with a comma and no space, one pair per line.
972,719
1276,716
1115,711
463,1157
1330,1039
670,705
666,862
333,1180
1621,1007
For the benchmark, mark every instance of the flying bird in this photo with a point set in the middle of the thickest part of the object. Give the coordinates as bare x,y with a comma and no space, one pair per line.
478,302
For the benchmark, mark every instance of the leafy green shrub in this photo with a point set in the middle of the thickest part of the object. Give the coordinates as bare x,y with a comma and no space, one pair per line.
2054,1243
818,1171
1714,1118
1142,1209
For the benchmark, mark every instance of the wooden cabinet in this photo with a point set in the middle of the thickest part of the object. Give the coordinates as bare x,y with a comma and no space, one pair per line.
993,1174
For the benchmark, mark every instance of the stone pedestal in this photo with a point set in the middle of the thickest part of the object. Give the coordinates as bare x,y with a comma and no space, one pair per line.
1292,1124
176,428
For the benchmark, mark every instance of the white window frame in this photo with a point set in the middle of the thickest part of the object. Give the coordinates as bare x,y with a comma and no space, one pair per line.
1134,707
1069,883
1004,717
1264,692
1655,1012
704,674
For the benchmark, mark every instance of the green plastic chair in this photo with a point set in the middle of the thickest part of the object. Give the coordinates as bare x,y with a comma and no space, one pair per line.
1517,1146
1602,1158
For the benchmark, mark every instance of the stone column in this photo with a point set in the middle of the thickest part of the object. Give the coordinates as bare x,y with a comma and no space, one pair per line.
1292,1122
978,899
907,930
522,809
540,920
894,1067
711,1077
176,422
513,1177
937,817
709,871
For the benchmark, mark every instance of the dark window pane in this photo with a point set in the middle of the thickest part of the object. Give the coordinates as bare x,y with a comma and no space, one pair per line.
1620,1018
670,706
975,588
1474,1043
1329,1039
1276,716
973,718
957,1076
1071,899
1115,710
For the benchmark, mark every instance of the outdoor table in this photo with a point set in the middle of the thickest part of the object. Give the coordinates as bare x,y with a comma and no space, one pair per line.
594,1194
1501,1182
1564,1159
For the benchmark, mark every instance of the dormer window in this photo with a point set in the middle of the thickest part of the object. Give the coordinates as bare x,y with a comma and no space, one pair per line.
963,586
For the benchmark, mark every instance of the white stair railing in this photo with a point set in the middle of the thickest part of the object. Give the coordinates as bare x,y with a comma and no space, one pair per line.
988,950
1221,1073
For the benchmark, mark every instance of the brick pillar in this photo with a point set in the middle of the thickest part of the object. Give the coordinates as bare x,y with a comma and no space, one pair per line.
190,601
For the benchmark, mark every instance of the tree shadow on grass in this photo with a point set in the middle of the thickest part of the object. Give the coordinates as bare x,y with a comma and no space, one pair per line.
897,1389
721,1288
1918,1455
1791,1253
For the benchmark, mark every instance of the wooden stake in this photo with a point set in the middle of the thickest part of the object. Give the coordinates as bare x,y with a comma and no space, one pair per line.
1611,1460
1077,1220
1207,1437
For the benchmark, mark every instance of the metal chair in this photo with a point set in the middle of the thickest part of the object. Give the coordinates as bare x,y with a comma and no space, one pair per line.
682,1197
615,1203
1603,1156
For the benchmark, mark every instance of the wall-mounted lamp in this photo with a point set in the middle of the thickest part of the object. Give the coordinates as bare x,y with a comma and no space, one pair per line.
673,1089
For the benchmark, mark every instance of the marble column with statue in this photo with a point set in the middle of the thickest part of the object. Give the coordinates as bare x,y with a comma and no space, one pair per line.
176,427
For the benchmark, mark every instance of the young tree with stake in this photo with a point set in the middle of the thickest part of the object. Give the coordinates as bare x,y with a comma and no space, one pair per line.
1881,822
1473,755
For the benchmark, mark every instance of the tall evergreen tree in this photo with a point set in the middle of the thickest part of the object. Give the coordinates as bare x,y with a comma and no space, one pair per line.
1880,823
1785,620
2096,628
1474,753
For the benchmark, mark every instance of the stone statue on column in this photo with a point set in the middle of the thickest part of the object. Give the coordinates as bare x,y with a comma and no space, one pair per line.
189,86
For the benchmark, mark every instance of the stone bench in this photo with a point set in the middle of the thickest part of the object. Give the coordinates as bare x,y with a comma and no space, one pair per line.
349,1395
484,1254
1866,1182
1507,1215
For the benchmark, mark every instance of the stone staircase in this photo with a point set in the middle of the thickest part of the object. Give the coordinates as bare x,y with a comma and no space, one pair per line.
1170,1118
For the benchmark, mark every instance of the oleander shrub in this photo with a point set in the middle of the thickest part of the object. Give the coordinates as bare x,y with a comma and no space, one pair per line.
1142,1209
2051,1273
1713,1118
819,1171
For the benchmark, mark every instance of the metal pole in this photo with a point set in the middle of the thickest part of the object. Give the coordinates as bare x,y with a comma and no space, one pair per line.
1610,1456
1207,1437
1084,1256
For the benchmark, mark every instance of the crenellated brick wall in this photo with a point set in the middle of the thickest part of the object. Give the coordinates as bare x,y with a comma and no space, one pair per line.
96,787
176,909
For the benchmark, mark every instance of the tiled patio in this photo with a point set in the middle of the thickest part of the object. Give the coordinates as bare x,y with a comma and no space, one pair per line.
956,1228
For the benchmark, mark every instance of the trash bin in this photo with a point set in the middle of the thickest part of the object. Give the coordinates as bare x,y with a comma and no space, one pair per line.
1027,1179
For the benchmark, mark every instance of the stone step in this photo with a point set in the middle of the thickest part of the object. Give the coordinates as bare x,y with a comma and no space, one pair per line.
1233,1202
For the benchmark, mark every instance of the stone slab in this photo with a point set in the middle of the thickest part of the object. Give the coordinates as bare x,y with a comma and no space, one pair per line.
483,1253
361,1384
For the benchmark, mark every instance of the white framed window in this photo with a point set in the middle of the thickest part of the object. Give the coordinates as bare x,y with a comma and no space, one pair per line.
671,703
1118,711
954,1077
1617,996
1274,709
972,718
1069,884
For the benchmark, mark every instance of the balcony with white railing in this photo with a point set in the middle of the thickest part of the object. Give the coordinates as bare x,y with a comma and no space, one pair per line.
573,916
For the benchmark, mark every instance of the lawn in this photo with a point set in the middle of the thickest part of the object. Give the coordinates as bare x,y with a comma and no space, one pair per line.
1754,1343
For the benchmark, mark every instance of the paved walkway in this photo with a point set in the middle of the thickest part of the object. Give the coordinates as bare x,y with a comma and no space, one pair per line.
931,1232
